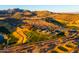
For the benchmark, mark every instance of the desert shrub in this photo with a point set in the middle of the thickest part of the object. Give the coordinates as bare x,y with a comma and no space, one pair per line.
61,34
62,48
70,46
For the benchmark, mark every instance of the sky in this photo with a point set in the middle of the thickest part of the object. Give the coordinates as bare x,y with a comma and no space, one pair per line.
53,8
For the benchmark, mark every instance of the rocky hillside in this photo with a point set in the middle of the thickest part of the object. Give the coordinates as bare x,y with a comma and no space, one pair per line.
38,31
